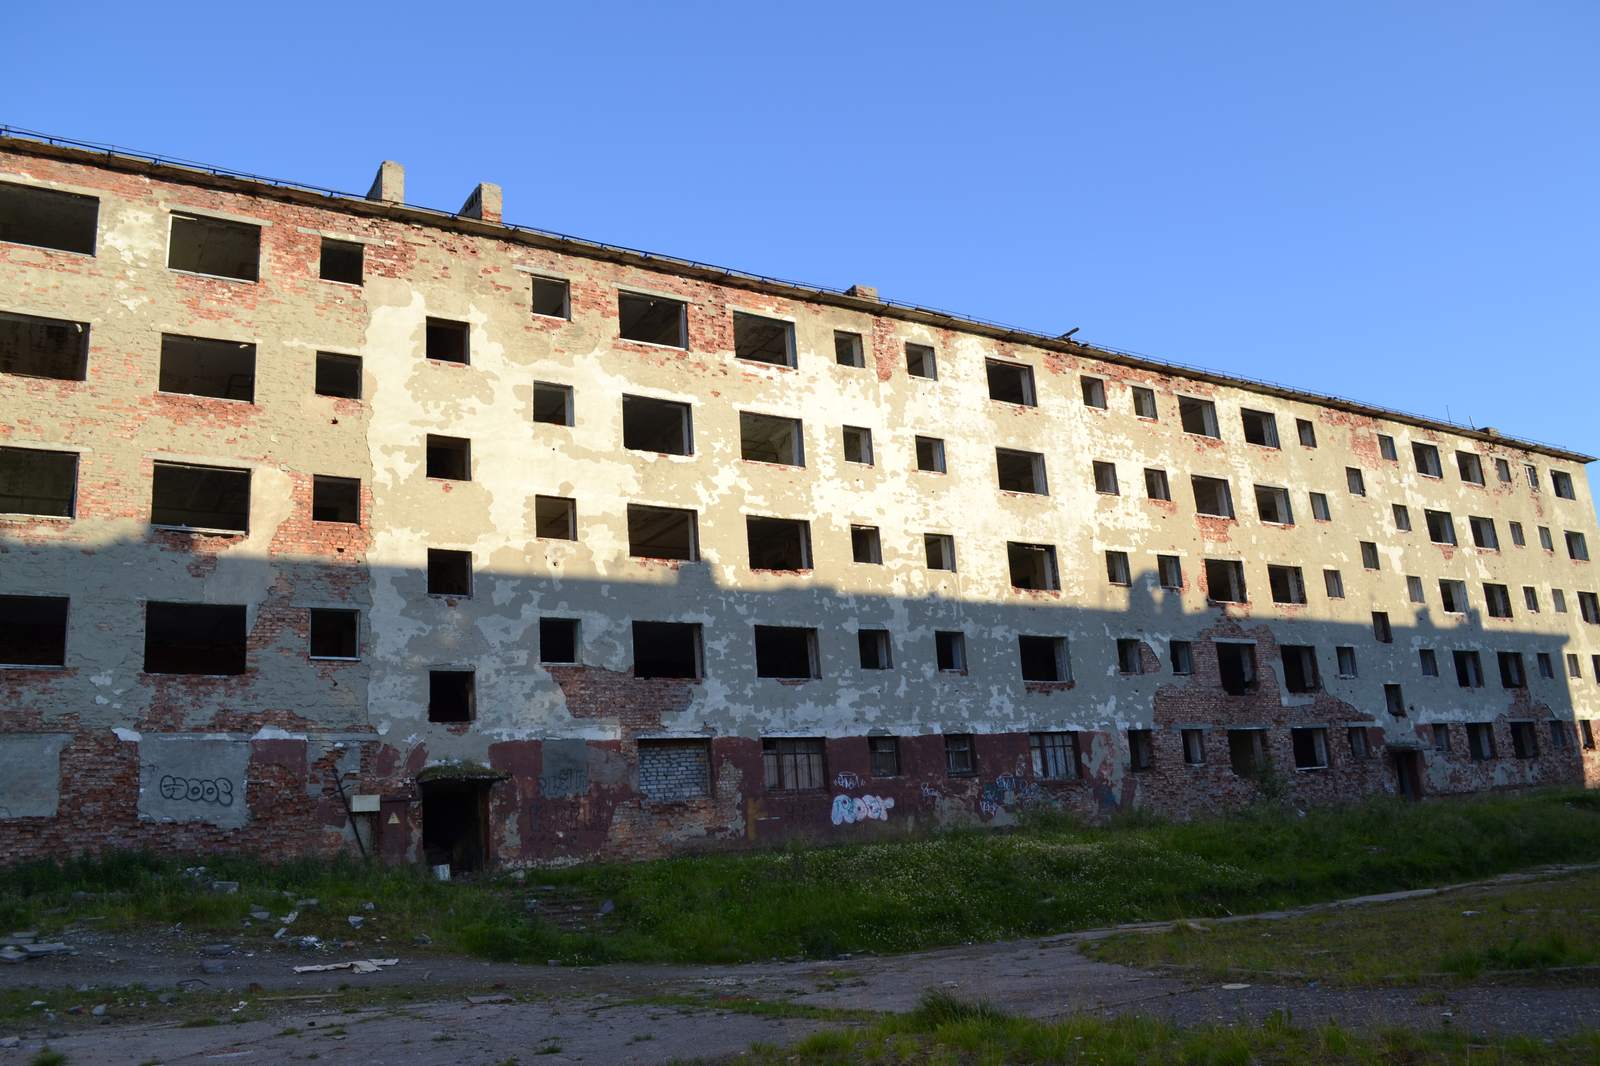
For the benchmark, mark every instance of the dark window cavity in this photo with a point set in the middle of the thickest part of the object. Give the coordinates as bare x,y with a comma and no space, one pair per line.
666,649
43,347
1198,416
338,375
46,218
778,543
448,341
215,246
1011,383
930,455
1044,658
1300,668
920,362
342,261
452,696
194,638
1033,566
1144,402
652,319
788,652
555,518
552,403
950,651
858,445
558,640
873,645
449,572
335,633
1225,581
38,482
551,297
865,546
771,439
847,349
33,631
1236,667
335,499
662,533
1021,471
652,425
1260,427
763,340
200,497
1212,496
449,458
1094,392
195,366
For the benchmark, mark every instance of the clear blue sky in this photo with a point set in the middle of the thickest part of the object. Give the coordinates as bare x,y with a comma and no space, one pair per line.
1397,203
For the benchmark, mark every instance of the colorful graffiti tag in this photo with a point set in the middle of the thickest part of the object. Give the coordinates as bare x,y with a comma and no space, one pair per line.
850,809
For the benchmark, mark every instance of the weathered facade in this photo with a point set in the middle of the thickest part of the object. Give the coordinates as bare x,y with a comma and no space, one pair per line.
328,522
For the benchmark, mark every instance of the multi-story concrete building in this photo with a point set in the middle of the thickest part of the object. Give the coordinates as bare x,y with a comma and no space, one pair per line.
332,522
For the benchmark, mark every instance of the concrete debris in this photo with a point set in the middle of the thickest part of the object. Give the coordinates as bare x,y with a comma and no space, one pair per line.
227,888
260,914
369,906
354,966
30,950
9,1042
99,1010
216,951
1235,987
356,921
213,967
289,919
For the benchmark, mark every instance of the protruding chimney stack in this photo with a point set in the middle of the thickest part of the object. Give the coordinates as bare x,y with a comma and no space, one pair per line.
484,203
864,292
390,184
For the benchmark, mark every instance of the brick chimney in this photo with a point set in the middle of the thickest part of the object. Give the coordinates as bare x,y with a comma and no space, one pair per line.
484,203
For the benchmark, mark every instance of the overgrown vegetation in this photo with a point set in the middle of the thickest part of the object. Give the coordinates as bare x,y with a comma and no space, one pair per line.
1050,876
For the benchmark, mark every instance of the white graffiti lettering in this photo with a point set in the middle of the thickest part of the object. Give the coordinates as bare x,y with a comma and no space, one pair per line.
848,810
845,779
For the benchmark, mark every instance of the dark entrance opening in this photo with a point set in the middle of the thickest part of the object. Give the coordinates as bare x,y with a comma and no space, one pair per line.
455,821
1408,772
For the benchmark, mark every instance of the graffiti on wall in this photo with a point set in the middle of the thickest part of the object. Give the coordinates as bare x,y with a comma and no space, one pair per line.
845,780
217,790
1008,790
847,810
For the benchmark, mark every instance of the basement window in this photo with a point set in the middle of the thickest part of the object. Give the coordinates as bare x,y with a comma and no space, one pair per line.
848,350
335,633
1561,482
452,696
1333,582
1307,431
195,366
1155,484
778,543
1105,479
793,764
1497,599
763,340
1273,505
950,651
662,533
1310,748
1181,653
449,572
1247,751
1319,507
930,455
1386,448
652,425
1260,427
43,347
33,631
940,549
1011,383
555,518
1300,668
1212,496
448,341
1470,467
38,482
1452,596
551,297
1198,416
667,649
200,497
920,362
1236,667
1480,741
1055,755
342,261
1483,532
214,246
1513,674
1225,581
338,375
1469,669
787,652
858,445
1044,658
1347,660
45,218
1426,456
552,403
1441,526
1402,518
449,458
1118,572
865,546
1381,630
1288,585
1141,750
1033,566
1355,481
771,439
194,638
884,754
335,499
1094,392
873,645
1369,555
1020,471
1144,403
558,640
1129,658
652,319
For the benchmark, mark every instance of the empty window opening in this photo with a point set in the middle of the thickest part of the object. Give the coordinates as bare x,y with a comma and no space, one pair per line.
1428,662
558,640
46,218
555,518
1300,668
1513,674
1480,741
33,630
1573,669
1471,468
1588,607
1426,457
778,543
1181,653
930,454
883,753
1236,667
1021,471
847,349
1044,658
335,633
1530,598
1395,700
1129,658
1319,507
1586,730
1441,526
1169,571
1033,566
1094,392
674,771
788,652
338,375
793,764
1502,470
1356,482
43,347
1141,750
1483,532
1310,748
1273,505
1369,555
215,246
551,297
652,319
1055,755
940,549
1533,476
865,544
874,648
38,482
1118,571
1194,746
552,404
1545,541
447,341
194,638
858,445
1307,431
449,572
1247,751
763,340
1402,518
920,361
1212,496
1287,583
1469,669
1497,599
1347,660
335,499
771,439
1198,416
195,366
1381,630
1260,427
1105,479
1441,737
1547,666
452,695
1333,582
200,497
1386,448
1225,581
1011,383
662,533
449,458
1577,547
1453,595
652,425
667,649
1155,484
1144,403
1414,589
1561,482
960,760
1524,740
1517,537
950,651
342,261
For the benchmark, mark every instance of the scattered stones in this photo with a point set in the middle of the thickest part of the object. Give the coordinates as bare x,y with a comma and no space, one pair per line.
227,888
217,951
9,1042
369,906
99,1010
356,921
305,904
213,967
260,914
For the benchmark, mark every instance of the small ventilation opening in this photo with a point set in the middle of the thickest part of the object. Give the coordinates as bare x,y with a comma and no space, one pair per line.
194,638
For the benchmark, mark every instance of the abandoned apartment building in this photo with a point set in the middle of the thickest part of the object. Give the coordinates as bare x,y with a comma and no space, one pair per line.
329,523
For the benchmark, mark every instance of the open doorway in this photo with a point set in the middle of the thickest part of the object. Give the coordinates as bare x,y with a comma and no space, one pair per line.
455,823
1408,773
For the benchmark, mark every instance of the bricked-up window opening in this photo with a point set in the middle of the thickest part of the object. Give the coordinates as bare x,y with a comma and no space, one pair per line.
920,362
1033,566
200,497
1386,448
1288,584
33,630
884,755
449,458
1225,581
1011,383
763,340
1441,738
1355,481
552,403
940,549
1530,598
1094,392
1310,748
342,261
1347,660
1141,750
1426,456
1169,571
335,633
662,533
1194,746
930,455
1441,526
1402,518
43,347
558,640
1300,672
1044,658
45,218
667,649
1272,504
652,319
858,445
1144,403
1560,739
1055,756
1236,666
1497,600
1512,672
652,425
1480,741
1414,589
1588,607
194,638
1483,532
1452,596
1212,496
865,545
848,350
452,695
1155,484
1360,749
960,760
1586,728
1198,416
1577,547
1182,654
1369,555
555,518
338,375
793,764
448,341
1428,662
1128,656
673,771
1547,669
1561,481
778,543
449,572
874,648
38,482
1105,479
1381,630
1533,476
1020,471
1544,539
551,297
1118,572
771,439
1333,582
1517,537
1260,427
1247,751
1471,468
1307,432
1319,507
335,499
1469,669
950,651
787,652
214,246
1502,470
1573,669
